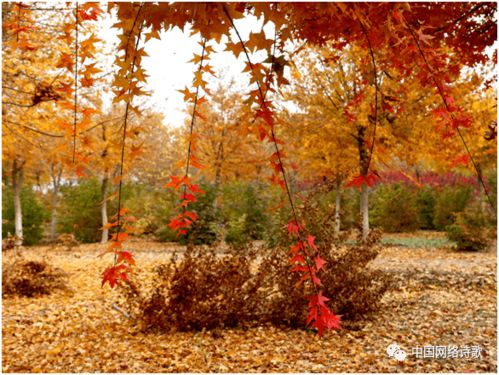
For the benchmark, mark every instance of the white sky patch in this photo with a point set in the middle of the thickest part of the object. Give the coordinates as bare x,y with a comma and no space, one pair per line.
169,70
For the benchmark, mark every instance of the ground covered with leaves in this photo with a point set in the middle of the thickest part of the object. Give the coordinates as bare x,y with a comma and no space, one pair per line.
439,298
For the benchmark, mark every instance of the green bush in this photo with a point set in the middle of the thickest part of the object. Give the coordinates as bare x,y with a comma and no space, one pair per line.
153,208
236,235
80,211
33,215
203,230
316,211
275,234
473,229
449,202
426,208
350,208
243,213
394,208
492,182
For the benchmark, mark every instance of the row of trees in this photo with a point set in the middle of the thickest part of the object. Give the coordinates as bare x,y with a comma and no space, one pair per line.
344,119
324,149
237,211
334,133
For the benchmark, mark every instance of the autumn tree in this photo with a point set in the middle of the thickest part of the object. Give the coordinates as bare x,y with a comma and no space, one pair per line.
39,87
343,89
226,148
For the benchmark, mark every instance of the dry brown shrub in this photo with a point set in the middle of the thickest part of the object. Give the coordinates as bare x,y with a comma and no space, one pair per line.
31,278
67,240
206,290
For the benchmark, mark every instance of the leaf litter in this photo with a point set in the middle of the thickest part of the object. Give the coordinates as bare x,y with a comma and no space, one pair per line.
440,298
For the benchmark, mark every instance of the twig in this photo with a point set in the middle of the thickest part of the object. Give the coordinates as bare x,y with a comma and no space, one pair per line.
121,311
76,82
125,124
375,95
193,120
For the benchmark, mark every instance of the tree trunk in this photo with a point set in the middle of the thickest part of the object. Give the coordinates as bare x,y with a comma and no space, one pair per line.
105,180
337,219
364,190
105,231
56,182
17,181
364,210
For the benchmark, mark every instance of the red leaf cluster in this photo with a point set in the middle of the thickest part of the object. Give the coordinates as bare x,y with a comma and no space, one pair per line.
115,274
182,222
460,160
369,180
123,260
184,219
319,315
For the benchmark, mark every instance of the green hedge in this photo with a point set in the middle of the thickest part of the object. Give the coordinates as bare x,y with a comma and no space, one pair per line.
450,201
394,208
32,211
80,211
243,212
474,228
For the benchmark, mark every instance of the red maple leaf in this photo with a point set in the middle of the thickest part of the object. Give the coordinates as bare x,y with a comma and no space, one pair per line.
125,256
356,181
191,215
298,258
174,183
319,262
293,227
294,249
371,179
195,189
461,121
316,280
114,274
320,316
176,223
188,197
460,160
310,240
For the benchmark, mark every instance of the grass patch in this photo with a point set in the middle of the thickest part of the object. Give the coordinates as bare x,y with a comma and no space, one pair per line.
416,242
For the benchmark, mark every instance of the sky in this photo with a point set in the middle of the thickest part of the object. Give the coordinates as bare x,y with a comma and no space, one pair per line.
169,70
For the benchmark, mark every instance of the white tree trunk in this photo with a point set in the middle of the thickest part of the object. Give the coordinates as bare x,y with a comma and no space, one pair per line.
364,210
105,231
56,182
17,181
53,218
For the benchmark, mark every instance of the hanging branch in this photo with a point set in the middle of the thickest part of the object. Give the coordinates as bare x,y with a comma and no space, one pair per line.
127,107
76,83
184,220
447,107
193,120
319,315
373,61
18,21
54,135
264,106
